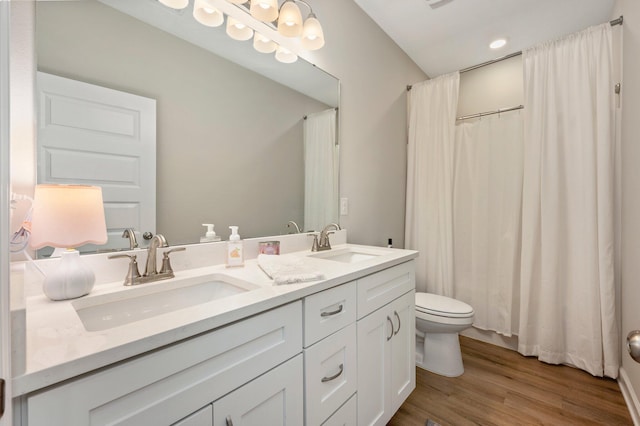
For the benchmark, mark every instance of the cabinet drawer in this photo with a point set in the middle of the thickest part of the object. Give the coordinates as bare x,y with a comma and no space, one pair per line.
376,290
164,386
328,311
346,415
330,374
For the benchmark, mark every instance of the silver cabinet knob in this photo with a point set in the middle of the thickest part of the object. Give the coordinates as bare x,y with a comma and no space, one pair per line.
633,345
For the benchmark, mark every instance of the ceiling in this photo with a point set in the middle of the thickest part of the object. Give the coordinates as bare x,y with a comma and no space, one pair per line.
455,34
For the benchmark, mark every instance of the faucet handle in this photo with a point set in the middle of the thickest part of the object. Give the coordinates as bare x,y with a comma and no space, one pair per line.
166,262
314,246
133,274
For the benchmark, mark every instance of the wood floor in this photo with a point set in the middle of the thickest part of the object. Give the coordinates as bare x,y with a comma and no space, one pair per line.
502,387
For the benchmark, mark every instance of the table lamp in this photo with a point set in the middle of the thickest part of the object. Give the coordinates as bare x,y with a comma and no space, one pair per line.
68,216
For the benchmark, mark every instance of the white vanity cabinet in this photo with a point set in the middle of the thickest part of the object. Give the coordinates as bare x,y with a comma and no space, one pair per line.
386,343
165,386
339,356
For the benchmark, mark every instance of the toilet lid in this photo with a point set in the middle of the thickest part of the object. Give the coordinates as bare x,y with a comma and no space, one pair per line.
442,306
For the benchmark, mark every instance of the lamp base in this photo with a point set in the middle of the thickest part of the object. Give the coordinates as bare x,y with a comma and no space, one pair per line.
70,280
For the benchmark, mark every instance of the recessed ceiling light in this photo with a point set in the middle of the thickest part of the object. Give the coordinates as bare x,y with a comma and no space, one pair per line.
498,43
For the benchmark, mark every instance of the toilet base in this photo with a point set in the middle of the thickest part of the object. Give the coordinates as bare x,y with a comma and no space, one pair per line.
440,354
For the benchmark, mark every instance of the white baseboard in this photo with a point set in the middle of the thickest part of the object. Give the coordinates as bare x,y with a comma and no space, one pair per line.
630,396
491,337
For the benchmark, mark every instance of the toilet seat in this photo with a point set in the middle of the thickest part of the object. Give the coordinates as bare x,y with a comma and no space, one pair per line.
429,305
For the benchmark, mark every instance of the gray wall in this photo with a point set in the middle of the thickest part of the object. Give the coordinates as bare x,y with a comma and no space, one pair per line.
229,141
373,72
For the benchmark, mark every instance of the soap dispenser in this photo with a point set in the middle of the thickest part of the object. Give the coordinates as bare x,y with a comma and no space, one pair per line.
235,250
210,235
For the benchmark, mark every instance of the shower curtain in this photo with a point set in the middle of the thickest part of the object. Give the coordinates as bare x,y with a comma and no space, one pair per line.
567,270
487,196
428,226
320,170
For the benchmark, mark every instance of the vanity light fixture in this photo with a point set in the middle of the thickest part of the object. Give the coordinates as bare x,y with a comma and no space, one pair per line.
284,21
498,43
68,216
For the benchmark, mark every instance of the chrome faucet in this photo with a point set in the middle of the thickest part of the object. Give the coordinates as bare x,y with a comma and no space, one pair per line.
157,241
295,225
323,241
131,235
151,270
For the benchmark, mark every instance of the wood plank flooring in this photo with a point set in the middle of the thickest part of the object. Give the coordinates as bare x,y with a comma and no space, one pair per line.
502,387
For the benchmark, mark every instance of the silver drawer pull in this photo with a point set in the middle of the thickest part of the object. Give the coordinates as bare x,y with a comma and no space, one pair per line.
399,323
390,322
328,314
335,376
229,421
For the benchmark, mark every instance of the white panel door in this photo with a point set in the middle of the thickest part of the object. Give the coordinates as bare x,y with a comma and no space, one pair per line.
92,135
403,360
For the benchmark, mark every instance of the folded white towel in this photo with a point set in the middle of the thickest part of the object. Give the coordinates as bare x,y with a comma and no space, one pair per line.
287,270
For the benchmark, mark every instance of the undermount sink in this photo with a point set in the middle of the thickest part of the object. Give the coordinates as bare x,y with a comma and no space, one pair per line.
347,255
133,304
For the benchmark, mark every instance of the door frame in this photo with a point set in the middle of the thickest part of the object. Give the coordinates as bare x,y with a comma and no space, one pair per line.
5,193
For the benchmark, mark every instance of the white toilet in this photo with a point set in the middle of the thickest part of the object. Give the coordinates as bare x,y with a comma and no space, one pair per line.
439,319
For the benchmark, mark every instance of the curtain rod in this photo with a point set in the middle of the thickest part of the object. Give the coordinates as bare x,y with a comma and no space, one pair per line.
305,117
613,23
482,114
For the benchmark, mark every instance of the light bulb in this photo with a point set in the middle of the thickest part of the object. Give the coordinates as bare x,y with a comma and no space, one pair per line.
207,15
290,20
263,44
238,30
264,10
312,34
285,56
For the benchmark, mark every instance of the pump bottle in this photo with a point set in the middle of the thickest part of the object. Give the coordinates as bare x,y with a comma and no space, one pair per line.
235,249
210,235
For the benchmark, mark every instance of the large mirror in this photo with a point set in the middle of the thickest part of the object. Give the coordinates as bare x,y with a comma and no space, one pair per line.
229,140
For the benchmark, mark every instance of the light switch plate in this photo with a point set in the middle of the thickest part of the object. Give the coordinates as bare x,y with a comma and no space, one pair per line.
344,206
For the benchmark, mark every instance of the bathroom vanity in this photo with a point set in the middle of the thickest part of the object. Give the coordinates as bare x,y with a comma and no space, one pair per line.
335,351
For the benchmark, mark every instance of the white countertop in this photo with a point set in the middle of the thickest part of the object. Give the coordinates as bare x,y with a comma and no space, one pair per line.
58,347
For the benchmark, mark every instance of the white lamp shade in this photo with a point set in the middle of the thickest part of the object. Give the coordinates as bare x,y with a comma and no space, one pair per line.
312,35
67,216
263,44
290,20
238,30
285,56
264,10
207,15
175,4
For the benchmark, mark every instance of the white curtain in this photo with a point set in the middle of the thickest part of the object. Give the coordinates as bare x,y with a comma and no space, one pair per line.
320,170
432,117
567,276
487,197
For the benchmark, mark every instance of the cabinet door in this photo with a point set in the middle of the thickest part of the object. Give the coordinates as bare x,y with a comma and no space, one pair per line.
403,343
275,398
203,417
374,333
